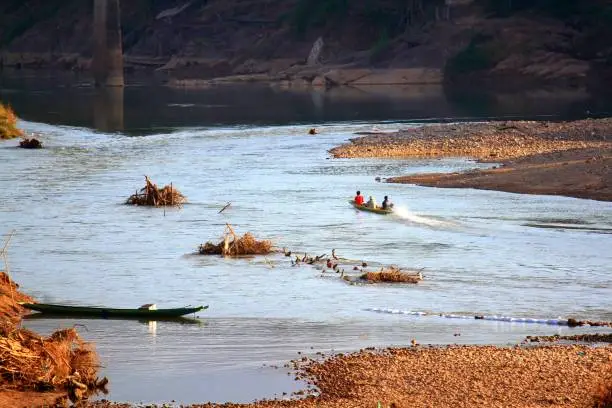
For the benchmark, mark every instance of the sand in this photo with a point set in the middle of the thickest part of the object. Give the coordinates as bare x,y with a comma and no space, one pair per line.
581,173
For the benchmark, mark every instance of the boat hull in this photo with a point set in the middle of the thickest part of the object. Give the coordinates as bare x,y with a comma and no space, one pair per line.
368,209
110,312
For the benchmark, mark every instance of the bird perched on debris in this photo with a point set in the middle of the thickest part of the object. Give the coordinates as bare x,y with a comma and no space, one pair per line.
287,253
334,254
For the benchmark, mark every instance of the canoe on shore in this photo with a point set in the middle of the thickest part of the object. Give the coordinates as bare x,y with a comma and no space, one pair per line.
377,210
111,312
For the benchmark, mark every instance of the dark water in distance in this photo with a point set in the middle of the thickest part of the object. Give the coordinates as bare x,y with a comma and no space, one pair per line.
146,106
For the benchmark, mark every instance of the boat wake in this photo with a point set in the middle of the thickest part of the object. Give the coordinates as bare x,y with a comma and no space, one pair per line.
405,214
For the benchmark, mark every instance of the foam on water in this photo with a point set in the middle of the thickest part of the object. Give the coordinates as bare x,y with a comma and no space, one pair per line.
404,213
557,322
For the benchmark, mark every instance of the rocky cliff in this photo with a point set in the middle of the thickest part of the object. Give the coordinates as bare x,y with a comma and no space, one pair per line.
523,43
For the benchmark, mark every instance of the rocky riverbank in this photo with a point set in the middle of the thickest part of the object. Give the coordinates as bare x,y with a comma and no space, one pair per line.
328,43
562,158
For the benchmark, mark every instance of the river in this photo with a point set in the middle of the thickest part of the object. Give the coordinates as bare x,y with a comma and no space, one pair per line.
482,252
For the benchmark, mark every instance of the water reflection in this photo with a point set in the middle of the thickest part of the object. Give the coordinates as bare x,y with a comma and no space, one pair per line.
145,107
108,109
153,328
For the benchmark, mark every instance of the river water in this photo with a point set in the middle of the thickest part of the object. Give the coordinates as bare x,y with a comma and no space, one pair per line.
482,252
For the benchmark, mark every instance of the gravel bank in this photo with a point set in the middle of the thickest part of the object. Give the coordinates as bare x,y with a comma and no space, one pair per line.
456,376
489,141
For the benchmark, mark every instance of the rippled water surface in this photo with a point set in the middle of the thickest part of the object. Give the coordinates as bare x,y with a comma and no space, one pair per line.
483,252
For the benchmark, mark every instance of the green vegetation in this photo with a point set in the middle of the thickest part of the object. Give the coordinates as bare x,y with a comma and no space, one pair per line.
564,9
375,15
481,54
16,17
382,45
309,13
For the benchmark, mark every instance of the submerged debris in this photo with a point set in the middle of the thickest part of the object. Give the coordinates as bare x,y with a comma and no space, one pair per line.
586,337
575,323
153,196
32,143
344,267
393,275
232,245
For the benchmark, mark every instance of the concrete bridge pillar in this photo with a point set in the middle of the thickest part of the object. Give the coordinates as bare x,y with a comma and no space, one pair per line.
107,64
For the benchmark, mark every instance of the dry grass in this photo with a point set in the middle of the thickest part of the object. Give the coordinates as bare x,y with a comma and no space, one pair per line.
32,143
603,394
153,196
8,123
10,310
232,245
28,362
61,362
393,275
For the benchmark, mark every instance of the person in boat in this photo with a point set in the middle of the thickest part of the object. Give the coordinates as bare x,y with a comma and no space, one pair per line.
371,203
359,198
387,204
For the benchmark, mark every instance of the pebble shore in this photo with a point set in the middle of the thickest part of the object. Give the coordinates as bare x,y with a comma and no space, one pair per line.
488,141
453,376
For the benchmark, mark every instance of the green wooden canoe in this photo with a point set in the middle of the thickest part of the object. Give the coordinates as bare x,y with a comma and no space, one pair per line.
110,312
374,210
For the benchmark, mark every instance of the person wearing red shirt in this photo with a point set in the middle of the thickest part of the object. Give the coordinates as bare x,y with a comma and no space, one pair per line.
359,198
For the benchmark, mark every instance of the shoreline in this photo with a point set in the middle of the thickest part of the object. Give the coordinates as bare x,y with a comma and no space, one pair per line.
520,375
450,376
554,158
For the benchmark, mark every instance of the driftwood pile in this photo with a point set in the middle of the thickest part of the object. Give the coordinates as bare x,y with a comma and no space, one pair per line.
232,245
153,196
393,275
32,143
